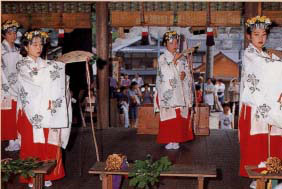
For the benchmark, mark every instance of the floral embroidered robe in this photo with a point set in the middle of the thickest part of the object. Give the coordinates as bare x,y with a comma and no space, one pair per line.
44,97
9,57
173,93
261,89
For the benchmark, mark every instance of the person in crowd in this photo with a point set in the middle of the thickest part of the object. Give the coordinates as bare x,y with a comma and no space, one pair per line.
123,105
226,118
44,107
113,86
174,96
234,92
220,88
138,79
135,95
147,96
126,81
10,55
260,125
209,92
199,94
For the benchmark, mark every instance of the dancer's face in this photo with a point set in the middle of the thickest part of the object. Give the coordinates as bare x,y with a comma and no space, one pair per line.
11,37
258,38
173,46
34,48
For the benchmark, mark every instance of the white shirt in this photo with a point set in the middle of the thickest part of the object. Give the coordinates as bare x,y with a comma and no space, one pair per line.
225,120
139,81
220,88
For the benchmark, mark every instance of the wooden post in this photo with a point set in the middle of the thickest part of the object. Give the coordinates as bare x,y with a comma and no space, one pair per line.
210,49
250,10
200,182
102,42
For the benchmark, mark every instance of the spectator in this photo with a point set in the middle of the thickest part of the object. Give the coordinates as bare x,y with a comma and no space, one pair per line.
126,81
123,104
134,94
199,94
220,88
147,95
138,80
234,91
226,118
209,93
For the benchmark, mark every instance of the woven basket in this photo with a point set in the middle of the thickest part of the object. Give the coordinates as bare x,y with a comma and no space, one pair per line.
191,18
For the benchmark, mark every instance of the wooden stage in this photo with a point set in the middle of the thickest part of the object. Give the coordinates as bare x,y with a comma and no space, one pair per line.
220,149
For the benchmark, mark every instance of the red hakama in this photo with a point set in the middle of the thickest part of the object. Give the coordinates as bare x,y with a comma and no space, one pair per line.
177,130
254,148
38,150
9,123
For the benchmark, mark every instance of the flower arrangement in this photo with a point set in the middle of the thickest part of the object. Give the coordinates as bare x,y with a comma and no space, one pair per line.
258,21
30,35
10,24
170,35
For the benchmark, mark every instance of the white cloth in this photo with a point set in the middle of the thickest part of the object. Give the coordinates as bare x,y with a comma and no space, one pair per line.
9,57
125,108
45,98
171,91
225,120
261,89
220,89
209,97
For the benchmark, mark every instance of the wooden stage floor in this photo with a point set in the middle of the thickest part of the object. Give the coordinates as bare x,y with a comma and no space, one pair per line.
221,148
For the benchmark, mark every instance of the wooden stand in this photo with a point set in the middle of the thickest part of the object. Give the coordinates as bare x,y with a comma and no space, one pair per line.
201,120
178,170
38,180
260,178
148,121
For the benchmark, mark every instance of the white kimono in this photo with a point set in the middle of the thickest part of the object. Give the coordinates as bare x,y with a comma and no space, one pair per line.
171,91
44,97
209,97
9,57
262,90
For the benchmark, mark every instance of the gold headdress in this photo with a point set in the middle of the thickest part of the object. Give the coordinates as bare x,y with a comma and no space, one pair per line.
170,35
32,34
258,22
10,24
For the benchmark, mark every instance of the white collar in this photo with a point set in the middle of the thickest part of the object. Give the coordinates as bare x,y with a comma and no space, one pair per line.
259,52
169,56
5,42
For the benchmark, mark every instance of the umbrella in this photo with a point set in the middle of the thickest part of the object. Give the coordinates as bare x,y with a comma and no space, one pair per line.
75,56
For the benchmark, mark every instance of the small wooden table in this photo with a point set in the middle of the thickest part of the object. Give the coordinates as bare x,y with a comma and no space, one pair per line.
261,179
177,170
38,179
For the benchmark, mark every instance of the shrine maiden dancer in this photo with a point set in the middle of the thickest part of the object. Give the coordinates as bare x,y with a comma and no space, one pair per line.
261,98
44,115
10,55
174,96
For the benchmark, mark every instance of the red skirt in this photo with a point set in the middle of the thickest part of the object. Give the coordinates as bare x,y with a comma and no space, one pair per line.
9,123
253,148
38,150
175,130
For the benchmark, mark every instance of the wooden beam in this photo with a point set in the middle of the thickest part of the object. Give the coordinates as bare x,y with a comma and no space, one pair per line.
102,42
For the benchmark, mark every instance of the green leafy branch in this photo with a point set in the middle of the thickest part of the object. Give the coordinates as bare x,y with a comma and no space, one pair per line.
145,173
23,167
